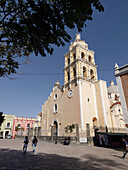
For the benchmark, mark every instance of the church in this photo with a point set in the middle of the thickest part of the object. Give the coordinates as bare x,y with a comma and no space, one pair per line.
83,100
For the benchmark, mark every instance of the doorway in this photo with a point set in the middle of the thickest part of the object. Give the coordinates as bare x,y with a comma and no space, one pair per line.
55,128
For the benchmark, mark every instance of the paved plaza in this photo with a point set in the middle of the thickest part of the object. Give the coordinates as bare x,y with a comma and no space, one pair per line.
59,157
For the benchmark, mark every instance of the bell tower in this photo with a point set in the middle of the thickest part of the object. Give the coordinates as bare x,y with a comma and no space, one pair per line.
79,63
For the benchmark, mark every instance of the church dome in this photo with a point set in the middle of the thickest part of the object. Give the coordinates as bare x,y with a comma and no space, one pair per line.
113,88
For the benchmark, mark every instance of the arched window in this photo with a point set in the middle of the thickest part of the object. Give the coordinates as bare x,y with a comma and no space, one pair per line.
68,60
82,55
74,56
55,108
8,125
74,72
55,97
68,76
89,58
84,72
92,74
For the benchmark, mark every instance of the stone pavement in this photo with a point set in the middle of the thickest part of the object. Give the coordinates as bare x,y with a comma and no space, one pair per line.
59,157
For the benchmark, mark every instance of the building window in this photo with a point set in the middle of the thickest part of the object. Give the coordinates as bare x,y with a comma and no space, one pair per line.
89,58
89,100
55,108
28,125
84,72
55,97
68,61
74,56
82,55
92,74
19,126
68,76
74,72
8,125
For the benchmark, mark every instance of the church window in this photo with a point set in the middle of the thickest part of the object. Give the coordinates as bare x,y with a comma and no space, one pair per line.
68,76
92,74
74,72
55,108
74,56
89,100
89,58
82,55
55,96
84,72
68,61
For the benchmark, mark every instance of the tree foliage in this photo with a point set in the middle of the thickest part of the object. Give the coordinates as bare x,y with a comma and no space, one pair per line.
69,128
1,118
28,26
17,128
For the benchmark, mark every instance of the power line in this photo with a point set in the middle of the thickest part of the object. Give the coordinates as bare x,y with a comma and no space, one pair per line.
38,74
46,74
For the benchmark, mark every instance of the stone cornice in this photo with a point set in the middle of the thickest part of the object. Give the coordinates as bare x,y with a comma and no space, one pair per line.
77,45
80,78
86,62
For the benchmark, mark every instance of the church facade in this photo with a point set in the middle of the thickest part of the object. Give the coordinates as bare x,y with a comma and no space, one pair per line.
82,100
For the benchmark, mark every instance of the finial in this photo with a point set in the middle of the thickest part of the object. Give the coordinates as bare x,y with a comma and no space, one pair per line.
116,66
112,82
77,36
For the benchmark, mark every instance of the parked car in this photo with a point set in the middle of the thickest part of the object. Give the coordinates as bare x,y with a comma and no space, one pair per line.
8,137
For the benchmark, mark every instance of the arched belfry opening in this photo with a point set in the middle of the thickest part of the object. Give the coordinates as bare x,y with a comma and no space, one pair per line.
82,55
84,72
92,74
55,125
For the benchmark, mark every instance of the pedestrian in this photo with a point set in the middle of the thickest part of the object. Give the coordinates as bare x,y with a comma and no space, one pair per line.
34,143
26,141
125,148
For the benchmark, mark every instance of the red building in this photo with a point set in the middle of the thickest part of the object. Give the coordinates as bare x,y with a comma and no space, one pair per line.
21,126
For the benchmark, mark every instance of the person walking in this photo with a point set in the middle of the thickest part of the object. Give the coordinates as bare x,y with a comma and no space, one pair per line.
26,141
34,143
125,148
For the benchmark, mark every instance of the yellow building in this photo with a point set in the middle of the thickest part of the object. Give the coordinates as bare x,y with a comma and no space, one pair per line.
82,100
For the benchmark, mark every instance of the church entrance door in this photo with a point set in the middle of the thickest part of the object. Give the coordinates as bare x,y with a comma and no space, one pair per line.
55,128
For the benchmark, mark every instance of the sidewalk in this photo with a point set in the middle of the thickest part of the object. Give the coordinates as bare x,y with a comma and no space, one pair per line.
59,157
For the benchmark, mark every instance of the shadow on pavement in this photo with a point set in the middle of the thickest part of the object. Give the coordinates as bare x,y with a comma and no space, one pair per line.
14,159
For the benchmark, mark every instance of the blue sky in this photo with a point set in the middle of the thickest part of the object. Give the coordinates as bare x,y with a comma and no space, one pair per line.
106,34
